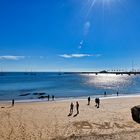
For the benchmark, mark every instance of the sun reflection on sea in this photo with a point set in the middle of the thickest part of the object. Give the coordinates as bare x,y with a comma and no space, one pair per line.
107,81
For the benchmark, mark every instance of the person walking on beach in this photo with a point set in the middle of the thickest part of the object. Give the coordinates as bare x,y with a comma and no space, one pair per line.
88,100
77,107
52,97
13,103
97,101
48,97
105,93
71,108
117,93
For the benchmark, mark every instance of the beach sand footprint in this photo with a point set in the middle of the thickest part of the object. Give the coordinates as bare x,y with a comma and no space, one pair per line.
83,125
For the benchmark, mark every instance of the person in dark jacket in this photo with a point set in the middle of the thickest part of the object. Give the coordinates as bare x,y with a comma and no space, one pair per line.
48,97
97,101
89,100
13,103
105,93
52,97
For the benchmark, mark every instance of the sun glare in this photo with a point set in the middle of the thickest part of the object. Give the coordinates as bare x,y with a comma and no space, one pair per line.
104,4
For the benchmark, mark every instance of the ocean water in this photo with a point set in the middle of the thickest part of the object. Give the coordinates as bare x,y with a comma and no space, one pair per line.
12,85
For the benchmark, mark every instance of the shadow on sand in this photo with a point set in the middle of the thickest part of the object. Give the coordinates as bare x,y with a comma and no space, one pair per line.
75,115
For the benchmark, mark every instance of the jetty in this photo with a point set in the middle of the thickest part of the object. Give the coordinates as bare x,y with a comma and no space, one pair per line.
106,72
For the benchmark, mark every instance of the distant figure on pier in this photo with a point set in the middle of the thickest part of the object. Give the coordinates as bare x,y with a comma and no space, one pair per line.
105,93
48,97
77,107
71,109
97,101
117,93
13,103
89,100
52,97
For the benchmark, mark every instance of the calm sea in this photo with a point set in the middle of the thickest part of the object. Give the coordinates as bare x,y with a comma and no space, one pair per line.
13,85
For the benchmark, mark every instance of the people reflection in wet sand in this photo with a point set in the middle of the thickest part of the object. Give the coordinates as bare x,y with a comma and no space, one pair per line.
71,109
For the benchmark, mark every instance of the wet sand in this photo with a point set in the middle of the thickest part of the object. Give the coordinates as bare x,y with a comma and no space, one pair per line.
49,120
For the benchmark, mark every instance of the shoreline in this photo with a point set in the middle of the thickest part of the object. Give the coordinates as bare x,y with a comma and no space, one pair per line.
83,98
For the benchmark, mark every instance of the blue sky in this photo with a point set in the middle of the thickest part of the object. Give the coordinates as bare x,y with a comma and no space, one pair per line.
69,35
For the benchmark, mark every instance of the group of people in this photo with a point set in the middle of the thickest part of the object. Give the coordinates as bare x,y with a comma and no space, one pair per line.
72,108
97,104
52,97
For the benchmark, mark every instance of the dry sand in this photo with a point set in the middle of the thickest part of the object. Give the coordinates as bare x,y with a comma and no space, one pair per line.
45,121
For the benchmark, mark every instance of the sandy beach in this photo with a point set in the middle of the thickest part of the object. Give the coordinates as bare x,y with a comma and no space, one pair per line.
49,120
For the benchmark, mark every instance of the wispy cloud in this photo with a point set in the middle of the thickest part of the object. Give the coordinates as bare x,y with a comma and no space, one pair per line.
15,57
78,55
11,57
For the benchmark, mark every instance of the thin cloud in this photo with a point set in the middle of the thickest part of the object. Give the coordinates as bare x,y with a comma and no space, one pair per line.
11,57
14,57
78,55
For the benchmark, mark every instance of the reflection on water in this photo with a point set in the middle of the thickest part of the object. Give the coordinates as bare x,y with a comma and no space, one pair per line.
108,81
67,85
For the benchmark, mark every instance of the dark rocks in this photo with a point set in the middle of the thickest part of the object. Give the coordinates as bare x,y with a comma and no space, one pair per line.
37,93
136,113
42,93
42,97
26,94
